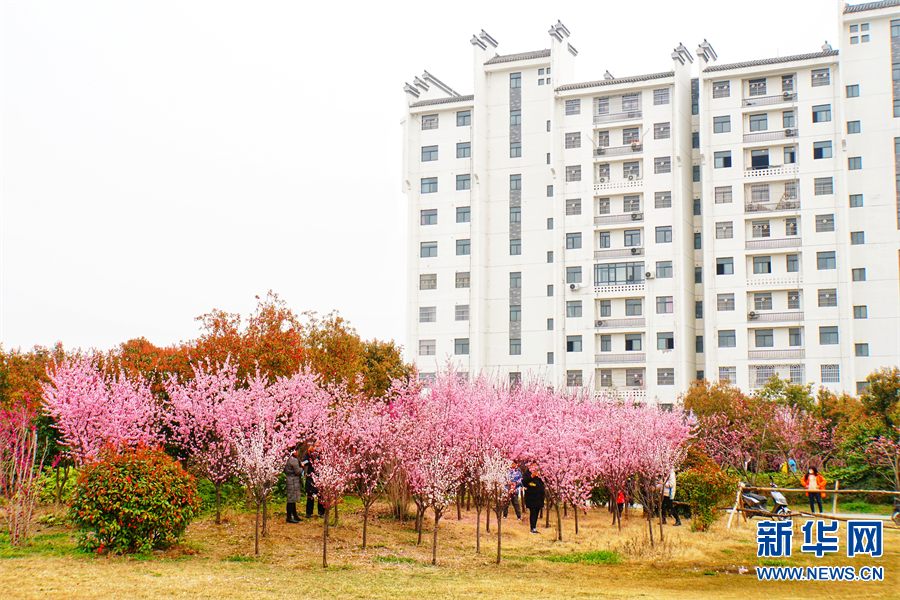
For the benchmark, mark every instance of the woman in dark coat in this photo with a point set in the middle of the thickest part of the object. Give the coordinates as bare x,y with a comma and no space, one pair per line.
293,473
534,496
312,491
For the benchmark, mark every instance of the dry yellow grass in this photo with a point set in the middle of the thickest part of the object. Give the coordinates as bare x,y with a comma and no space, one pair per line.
217,562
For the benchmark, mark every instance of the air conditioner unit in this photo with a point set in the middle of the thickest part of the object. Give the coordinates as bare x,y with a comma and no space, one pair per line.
598,324
603,180
752,314
786,95
637,177
648,275
637,216
574,286
631,178
790,132
635,250
601,151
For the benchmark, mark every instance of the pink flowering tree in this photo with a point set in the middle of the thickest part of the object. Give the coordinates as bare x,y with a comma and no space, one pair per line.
93,410
495,479
370,440
884,454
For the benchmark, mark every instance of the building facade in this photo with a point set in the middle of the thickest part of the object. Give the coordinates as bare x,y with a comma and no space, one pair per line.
726,221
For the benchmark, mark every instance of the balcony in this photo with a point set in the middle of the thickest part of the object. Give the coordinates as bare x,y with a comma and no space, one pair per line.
624,184
772,171
791,242
765,136
627,357
783,204
621,393
767,100
620,323
613,290
776,354
631,115
775,317
630,149
781,283
613,219
618,253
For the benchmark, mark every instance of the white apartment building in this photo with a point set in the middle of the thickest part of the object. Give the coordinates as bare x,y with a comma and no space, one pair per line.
730,221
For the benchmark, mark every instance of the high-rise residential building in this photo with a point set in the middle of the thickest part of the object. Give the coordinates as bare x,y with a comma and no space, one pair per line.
727,221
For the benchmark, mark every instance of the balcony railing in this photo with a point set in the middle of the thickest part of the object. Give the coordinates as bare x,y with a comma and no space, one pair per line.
764,136
637,182
622,393
783,204
611,219
622,116
627,357
625,288
791,242
774,317
618,253
772,171
774,282
766,100
633,148
617,323
776,354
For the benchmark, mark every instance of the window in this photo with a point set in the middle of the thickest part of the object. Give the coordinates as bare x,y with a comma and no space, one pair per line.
662,131
820,77
793,263
695,139
724,302
634,307
548,129
788,119
603,139
549,324
722,124
515,280
854,28
854,39
605,308
573,173
824,223
856,200
633,342
624,273
574,379
515,214
427,347
762,265
428,217
825,261
794,300
861,349
664,305
549,191
721,89
662,164
662,200
550,290
605,377
429,122
573,207
698,274
827,297
464,150
760,229
550,223
634,377
463,118
795,337
757,87
604,239
549,358
461,346
724,230
727,339
515,117
515,379
762,301
429,185
428,282
603,206
853,91
695,173
463,182
515,149
573,140
723,159
728,374
631,102
698,309
853,127
854,163
861,387
664,269
631,169
828,336
821,113
515,182
831,373
859,274
759,159
515,347
857,238
698,241
665,376
573,107
725,266
573,309
463,214
515,80
696,207
790,226
429,153
759,122
515,313
550,256
895,28
822,149
664,235
723,194
787,83
573,274
631,204
515,247
462,279
824,186
427,314
548,158
573,241
765,338
427,249
573,343
660,97
463,247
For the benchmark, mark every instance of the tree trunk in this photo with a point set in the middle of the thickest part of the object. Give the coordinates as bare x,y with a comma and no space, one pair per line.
459,494
558,523
546,509
256,531
365,522
661,516
218,503
468,500
420,518
437,517
487,520
566,509
575,510
477,529
499,521
335,515
325,542
650,525
265,517
618,517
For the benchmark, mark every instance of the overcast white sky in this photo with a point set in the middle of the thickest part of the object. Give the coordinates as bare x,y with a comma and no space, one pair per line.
160,159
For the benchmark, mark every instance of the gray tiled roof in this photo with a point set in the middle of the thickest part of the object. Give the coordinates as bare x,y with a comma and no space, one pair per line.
615,80
769,61
447,100
519,56
870,6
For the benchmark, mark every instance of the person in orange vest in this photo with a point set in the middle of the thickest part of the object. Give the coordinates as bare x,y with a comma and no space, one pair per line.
815,486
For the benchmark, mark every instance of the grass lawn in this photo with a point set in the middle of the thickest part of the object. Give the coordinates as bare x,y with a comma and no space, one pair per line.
217,561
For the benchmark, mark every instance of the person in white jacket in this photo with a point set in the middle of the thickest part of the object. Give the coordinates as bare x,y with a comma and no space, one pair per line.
668,506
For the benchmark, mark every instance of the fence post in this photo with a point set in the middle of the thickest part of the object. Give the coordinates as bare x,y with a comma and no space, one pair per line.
737,499
834,502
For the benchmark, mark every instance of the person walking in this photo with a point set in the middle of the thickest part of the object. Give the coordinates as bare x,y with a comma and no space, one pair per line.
293,472
515,486
312,492
815,485
534,495
668,503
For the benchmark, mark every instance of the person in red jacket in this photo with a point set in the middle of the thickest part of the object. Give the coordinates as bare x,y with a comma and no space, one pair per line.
815,486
